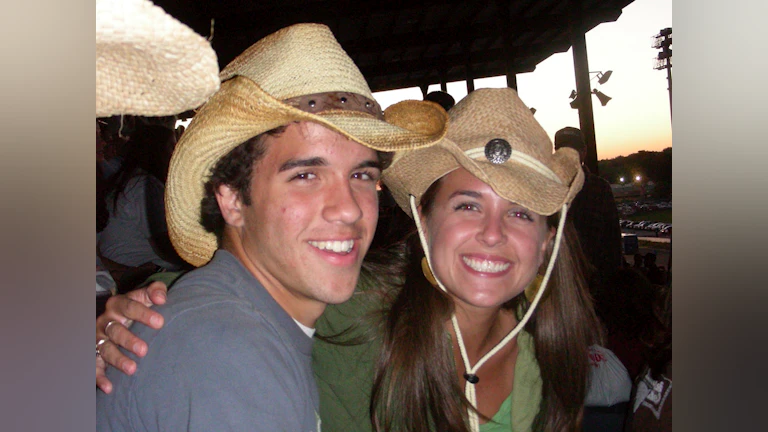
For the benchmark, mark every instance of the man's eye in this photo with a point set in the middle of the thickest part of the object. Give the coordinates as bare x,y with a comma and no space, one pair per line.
304,176
365,175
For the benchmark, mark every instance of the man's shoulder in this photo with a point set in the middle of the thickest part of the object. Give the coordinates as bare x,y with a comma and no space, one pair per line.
195,311
596,181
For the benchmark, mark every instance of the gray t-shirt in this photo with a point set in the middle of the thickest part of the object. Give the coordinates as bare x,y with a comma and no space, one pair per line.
228,358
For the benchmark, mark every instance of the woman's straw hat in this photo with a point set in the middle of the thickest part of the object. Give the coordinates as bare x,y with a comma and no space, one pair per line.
299,73
493,135
148,63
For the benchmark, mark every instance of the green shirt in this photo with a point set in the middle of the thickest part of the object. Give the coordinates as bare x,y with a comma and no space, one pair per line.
344,376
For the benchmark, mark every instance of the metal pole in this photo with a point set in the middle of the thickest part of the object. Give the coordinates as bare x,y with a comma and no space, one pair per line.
584,95
669,79
512,80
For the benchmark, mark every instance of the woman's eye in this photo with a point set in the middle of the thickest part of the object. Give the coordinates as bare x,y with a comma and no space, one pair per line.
465,207
522,215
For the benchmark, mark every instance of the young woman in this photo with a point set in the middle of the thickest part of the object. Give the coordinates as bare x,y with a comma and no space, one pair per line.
487,324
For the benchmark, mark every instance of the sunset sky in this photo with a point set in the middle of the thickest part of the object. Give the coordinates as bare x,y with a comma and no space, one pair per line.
638,115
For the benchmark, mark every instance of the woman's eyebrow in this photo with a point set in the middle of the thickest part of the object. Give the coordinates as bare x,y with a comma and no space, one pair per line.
469,193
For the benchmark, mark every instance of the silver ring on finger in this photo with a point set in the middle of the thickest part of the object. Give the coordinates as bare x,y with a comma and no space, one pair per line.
98,346
106,328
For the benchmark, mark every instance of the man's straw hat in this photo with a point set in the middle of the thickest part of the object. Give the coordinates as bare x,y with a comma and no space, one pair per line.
493,135
299,73
148,63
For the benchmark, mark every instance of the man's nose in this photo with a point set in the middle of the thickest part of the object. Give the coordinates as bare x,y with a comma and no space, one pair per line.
342,205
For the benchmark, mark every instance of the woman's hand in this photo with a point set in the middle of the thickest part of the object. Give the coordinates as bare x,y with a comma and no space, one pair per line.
112,326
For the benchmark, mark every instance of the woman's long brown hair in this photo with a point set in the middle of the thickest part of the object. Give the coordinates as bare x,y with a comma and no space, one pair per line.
415,387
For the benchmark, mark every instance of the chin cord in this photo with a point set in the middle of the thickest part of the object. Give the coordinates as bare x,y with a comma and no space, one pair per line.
470,375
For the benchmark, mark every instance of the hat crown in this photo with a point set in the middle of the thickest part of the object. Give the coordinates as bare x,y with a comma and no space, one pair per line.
299,60
489,114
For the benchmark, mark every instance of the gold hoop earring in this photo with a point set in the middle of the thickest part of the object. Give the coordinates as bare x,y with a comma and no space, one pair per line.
428,271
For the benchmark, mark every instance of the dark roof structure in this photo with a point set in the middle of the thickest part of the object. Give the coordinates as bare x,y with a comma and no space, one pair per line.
407,43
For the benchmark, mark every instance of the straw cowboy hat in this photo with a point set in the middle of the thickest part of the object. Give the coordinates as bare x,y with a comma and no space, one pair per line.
493,135
148,63
299,73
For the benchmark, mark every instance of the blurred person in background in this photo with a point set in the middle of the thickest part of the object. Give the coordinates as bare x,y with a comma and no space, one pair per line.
594,216
135,241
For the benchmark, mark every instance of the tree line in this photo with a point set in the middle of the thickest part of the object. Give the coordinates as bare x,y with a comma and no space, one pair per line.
650,165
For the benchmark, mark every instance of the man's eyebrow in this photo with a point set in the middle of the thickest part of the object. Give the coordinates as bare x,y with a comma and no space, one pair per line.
309,162
319,161
469,193
370,164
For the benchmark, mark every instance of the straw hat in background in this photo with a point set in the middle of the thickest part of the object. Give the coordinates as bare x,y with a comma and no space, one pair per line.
148,63
494,136
299,73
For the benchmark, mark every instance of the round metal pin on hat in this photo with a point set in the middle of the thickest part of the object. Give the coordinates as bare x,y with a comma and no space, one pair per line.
498,151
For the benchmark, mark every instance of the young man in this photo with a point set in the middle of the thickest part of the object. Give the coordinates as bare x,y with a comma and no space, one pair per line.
272,190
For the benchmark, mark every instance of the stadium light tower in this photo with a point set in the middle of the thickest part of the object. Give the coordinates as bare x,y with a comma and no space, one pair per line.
663,41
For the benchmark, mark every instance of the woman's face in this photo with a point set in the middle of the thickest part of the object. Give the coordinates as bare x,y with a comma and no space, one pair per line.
484,249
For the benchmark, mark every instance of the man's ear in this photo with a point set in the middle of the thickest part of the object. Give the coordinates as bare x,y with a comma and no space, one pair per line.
230,205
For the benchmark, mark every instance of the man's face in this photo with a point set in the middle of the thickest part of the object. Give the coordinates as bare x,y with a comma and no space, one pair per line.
312,217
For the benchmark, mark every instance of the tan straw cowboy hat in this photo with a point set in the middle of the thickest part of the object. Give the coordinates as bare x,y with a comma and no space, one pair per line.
299,73
493,135
148,63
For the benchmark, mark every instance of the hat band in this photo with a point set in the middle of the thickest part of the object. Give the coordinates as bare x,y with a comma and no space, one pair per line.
319,102
519,157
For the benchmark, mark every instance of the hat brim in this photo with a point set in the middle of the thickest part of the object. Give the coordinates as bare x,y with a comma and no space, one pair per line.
241,110
414,172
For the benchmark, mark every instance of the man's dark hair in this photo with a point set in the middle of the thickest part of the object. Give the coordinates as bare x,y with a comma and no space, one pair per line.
236,171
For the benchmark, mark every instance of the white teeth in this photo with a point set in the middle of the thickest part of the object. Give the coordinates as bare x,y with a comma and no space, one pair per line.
334,246
485,266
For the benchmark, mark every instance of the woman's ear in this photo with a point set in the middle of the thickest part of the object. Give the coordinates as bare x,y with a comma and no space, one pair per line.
230,205
548,245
